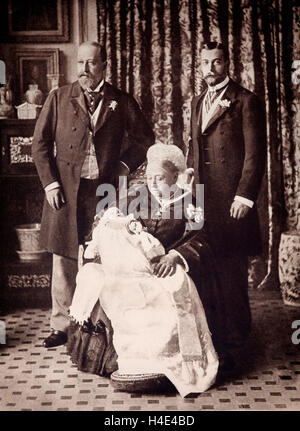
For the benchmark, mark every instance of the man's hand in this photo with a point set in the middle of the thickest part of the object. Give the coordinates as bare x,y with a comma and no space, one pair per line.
165,265
238,210
55,198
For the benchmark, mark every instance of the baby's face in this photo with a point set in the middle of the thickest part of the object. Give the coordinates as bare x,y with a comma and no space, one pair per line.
135,226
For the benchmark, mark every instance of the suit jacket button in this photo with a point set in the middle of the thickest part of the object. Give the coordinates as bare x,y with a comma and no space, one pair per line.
73,128
71,146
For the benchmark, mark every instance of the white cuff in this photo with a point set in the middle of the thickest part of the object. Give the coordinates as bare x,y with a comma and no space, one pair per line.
51,186
245,201
186,267
126,166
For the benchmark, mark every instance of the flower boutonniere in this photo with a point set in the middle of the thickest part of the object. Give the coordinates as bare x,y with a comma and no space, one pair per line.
113,105
225,103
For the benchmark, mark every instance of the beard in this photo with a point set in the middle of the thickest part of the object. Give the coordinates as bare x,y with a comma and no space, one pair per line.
214,79
86,82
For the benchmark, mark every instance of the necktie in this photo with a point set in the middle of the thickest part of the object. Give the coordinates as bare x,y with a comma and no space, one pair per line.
210,97
93,99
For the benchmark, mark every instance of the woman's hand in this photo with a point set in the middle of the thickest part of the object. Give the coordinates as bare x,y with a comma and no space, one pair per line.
165,265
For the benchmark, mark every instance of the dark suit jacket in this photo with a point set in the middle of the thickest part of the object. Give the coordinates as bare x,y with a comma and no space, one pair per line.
229,159
65,121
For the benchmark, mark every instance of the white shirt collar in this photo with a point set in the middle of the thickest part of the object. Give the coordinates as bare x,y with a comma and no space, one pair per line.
220,85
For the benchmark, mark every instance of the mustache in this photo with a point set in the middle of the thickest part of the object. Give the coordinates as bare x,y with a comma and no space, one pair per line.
84,74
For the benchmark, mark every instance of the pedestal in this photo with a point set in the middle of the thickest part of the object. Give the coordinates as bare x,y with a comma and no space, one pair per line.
25,284
289,267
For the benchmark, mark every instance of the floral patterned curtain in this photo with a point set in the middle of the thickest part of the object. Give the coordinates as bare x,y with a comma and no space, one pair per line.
154,54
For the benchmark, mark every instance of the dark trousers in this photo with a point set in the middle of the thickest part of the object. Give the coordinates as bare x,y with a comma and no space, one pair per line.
233,277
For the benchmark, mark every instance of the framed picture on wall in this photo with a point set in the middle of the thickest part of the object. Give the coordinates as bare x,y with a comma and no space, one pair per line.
35,66
35,21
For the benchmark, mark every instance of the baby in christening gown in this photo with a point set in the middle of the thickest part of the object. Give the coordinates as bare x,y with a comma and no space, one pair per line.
159,323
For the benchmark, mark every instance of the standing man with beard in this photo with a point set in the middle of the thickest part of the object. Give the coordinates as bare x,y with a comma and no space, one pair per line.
86,122
227,152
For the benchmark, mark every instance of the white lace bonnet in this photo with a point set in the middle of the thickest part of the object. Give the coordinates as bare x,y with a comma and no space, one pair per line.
159,153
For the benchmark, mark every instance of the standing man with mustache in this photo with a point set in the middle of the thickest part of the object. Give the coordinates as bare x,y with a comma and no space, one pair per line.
227,152
86,122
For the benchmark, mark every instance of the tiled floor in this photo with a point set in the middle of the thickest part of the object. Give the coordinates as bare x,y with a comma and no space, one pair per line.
267,376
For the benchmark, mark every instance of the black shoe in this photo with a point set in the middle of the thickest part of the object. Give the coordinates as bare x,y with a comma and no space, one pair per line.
226,363
56,338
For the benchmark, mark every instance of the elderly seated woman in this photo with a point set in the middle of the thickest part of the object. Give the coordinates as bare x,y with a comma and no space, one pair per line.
138,309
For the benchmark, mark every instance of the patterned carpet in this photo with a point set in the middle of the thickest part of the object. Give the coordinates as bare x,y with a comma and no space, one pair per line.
267,376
